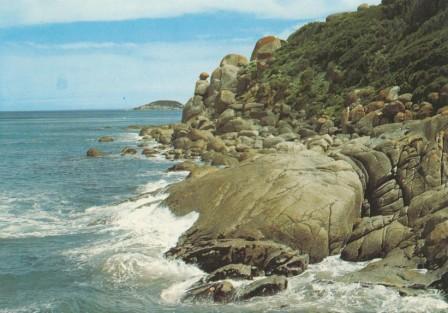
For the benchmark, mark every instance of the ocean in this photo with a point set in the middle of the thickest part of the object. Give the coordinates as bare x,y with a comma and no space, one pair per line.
82,234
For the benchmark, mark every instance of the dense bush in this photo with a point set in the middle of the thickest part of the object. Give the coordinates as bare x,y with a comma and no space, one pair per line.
400,42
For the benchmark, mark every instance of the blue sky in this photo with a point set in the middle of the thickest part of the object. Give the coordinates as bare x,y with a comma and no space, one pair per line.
114,54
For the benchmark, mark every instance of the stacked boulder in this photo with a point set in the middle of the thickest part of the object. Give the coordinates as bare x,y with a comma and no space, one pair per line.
389,107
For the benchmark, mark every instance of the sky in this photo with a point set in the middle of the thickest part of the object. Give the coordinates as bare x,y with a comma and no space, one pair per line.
118,54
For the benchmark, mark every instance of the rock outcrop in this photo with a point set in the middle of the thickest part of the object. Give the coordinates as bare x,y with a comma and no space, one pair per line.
290,198
312,149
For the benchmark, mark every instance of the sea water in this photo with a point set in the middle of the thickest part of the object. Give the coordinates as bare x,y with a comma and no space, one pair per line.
82,234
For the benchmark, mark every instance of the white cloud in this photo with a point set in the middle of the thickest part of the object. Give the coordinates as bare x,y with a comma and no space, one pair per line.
25,12
105,75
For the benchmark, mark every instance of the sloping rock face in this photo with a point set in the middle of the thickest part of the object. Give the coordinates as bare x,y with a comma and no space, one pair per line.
307,201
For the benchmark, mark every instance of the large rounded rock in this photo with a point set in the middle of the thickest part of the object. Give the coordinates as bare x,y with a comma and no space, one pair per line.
194,107
204,76
229,74
265,48
201,87
223,78
234,59
224,100
290,198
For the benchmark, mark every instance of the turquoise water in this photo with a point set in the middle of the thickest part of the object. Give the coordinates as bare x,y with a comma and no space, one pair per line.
65,246
82,234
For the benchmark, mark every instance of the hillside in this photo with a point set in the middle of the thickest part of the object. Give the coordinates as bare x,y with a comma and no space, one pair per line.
160,105
400,42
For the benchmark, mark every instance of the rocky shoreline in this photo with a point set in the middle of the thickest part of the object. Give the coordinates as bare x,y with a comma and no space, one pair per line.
279,188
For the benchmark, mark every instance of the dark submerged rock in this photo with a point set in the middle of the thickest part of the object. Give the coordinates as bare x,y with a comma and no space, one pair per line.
93,152
106,139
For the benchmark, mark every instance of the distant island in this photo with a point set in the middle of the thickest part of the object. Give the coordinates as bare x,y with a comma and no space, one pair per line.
161,105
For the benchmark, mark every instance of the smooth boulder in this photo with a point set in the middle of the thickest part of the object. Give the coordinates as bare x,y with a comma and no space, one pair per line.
293,198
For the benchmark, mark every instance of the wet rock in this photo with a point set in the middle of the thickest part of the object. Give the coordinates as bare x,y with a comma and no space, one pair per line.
442,283
93,152
128,151
233,271
106,139
266,256
149,152
220,292
263,288
399,273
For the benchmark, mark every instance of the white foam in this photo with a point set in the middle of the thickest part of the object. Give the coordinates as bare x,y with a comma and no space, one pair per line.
174,293
34,222
128,137
138,232
316,290
128,266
